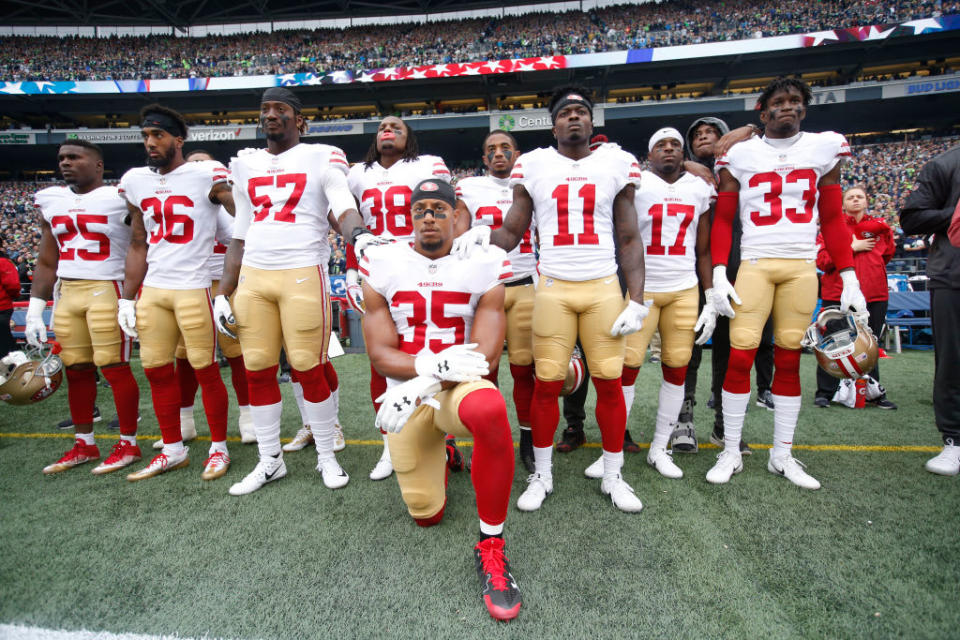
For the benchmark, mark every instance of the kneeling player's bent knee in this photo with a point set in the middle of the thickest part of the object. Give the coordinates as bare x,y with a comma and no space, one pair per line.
422,504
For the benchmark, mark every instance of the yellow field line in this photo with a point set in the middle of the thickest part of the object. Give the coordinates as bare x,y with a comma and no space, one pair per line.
596,445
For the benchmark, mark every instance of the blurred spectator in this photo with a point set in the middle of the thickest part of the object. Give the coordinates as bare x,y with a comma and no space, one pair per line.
873,246
676,22
9,291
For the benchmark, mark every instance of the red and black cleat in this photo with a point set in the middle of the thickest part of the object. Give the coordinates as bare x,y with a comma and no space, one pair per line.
628,444
572,438
455,461
497,587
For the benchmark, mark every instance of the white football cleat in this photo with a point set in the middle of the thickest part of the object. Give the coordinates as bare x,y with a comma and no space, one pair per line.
728,463
792,469
248,435
334,477
595,470
303,438
267,470
215,466
621,494
945,463
339,443
538,488
188,430
162,463
384,467
663,462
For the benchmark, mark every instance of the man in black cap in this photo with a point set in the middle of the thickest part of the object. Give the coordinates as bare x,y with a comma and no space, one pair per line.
702,139
434,325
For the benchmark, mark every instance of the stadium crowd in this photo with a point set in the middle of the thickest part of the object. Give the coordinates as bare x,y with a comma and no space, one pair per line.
887,170
613,28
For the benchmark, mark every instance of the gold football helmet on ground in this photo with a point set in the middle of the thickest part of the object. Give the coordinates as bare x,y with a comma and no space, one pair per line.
843,343
30,375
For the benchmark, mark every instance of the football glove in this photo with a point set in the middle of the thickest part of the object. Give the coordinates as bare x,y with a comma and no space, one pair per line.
127,317
465,244
851,296
459,363
707,320
354,292
630,319
722,292
223,315
400,401
367,239
35,330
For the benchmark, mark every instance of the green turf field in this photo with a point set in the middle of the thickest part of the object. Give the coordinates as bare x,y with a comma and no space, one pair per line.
872,554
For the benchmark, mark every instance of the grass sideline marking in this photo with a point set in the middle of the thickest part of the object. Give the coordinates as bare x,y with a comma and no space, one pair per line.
23,632
854,448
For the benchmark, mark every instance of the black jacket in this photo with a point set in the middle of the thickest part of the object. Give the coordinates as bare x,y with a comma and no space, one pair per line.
928,211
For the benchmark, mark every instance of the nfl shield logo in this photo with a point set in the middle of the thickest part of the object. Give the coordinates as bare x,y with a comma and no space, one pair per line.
432,269
782,157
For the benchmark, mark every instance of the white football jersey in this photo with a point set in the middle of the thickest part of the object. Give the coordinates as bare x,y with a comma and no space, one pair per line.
90,231
384,194
180,221
573,207
488,199
282,204
667,216
220,244
778,191
432,302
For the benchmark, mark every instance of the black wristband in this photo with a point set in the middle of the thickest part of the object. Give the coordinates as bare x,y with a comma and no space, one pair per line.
357,232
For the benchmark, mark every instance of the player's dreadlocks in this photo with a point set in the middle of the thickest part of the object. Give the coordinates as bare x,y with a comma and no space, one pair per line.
784,83
410,152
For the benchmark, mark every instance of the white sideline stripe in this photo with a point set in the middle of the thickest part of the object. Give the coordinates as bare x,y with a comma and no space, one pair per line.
20,632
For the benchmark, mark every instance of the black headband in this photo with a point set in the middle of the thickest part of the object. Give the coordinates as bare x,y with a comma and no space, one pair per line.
435,190
279,94
571,98
157,120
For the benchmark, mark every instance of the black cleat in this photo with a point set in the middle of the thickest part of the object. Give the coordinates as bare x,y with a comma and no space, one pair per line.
572,438
454,457
68,423
717,438
883,403
526,450
498,589
628,444
821,402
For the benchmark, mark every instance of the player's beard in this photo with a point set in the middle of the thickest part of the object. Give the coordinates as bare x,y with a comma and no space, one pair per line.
161,161
430,247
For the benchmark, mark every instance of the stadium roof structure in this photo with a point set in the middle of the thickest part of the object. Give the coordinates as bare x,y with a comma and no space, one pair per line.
185,13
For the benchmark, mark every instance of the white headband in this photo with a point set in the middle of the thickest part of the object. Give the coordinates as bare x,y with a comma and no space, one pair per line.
666,132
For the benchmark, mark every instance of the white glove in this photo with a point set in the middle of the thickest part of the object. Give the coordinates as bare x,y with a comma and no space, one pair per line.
127,317
401,401
722,290
630,319
851,295
459,363
367,239
36,329
355,292
707,320
464,244
223,316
